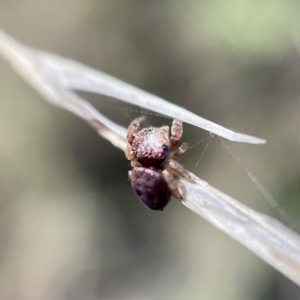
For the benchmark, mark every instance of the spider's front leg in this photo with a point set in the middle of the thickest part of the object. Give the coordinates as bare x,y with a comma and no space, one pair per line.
131,132
134,128
176,132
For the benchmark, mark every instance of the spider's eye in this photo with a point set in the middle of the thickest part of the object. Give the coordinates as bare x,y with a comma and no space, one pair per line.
165,147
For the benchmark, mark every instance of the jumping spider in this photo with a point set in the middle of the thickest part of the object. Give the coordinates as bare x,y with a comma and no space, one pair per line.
154,174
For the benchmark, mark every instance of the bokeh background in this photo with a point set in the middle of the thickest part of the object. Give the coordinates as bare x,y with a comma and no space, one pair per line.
70,225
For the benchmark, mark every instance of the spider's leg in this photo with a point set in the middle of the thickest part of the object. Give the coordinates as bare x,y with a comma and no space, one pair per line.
172,172
135,163
133,128
176,167
176,132
180,151
128,152
172,183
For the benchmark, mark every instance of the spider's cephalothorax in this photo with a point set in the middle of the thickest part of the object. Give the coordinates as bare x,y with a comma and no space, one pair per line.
150,146
154,173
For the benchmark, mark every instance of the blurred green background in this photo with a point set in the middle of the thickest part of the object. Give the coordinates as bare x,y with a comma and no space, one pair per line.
70,225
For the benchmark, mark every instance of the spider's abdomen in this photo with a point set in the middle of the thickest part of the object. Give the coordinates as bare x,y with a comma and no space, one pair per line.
151,187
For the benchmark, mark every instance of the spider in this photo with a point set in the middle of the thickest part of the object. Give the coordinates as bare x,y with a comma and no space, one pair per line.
155,173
